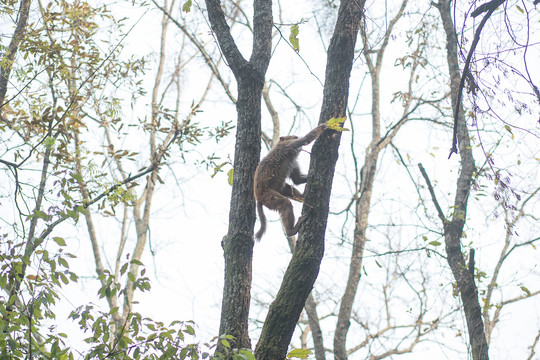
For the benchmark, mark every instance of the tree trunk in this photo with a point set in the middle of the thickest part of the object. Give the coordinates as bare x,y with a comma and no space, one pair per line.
453,229
238,243
313,318
304,266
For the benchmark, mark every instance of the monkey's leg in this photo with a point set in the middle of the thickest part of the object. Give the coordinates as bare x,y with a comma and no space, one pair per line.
291,192
274,200
287,218
299,223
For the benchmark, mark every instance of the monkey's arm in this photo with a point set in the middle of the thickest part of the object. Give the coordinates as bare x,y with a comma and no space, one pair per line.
296,175
310,136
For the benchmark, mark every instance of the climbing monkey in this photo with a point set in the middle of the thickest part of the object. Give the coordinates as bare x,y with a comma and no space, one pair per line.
270,188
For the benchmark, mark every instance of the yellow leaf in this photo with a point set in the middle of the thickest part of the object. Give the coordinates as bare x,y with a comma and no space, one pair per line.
230,174
293,37
335,124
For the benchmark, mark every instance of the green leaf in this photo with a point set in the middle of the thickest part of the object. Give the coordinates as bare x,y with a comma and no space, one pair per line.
40,214
73,277
63,262
295,42
49,142
434,243
187,6
230,174
60,241
63,278
527,291
246,354
77,177
190,330
37,312
123,268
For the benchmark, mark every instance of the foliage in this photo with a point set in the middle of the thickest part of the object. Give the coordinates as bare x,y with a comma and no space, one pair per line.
223,342
68,83
27,335
336,124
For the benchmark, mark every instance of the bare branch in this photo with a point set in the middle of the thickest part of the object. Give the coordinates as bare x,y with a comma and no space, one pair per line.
533,346
223,34
202,51
490,8
433,196
273,114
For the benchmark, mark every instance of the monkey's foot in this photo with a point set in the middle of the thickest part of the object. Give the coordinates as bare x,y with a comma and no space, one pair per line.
296,227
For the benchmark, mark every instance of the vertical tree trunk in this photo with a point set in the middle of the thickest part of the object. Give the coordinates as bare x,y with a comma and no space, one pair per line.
238,243
313,318
304,266
453,228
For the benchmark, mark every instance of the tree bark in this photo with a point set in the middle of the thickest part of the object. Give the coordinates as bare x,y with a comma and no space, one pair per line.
453,228
313,318
18,35
238,243
304,266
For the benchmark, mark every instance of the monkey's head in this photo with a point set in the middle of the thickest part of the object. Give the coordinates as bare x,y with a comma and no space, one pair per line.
286,138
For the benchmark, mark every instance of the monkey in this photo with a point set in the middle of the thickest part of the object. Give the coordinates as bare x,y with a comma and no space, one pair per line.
270,188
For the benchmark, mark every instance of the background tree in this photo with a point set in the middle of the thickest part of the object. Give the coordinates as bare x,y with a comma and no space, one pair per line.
61,44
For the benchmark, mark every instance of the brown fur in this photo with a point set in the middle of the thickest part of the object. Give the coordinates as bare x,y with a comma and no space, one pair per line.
270,188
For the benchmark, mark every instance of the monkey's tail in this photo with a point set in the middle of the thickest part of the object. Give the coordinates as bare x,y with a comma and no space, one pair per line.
262,219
